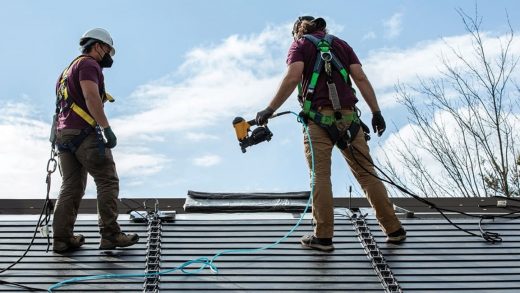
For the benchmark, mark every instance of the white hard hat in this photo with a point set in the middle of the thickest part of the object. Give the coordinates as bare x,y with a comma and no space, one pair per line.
100,35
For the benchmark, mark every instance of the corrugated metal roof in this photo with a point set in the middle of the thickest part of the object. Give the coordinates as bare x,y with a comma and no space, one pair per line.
438,258
435,257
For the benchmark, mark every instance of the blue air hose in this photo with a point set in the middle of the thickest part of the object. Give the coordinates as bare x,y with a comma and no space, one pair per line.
204,261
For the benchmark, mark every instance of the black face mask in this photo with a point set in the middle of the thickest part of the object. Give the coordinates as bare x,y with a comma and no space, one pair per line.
106,61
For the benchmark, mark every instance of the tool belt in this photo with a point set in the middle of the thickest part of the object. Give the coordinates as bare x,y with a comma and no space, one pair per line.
329,122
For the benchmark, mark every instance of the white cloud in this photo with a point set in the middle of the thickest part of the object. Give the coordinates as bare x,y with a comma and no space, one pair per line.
200,136
233,78
136,162
411,135
207,161
387,67
24,152
333,27
369,36
146,138
240,73
393,25
237,76
408,134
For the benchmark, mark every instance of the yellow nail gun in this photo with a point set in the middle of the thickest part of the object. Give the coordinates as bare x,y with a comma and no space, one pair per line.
258,135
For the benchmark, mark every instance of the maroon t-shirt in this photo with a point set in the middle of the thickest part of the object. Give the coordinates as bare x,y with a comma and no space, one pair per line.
86,68
304,50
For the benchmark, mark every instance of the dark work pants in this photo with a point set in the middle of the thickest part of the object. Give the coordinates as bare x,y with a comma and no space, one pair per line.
74,168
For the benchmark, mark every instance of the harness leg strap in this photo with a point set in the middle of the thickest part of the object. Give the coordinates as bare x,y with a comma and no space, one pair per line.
349,135
73,144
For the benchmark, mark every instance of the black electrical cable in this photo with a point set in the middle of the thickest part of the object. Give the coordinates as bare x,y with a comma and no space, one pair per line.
139,205
486,235
22,286
42,220
131,209
45,207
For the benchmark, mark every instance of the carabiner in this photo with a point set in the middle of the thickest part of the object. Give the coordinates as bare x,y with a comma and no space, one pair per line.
51,165
326,56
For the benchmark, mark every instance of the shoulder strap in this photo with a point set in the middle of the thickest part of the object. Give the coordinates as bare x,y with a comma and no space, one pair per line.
318,65
62,94
328,38
313,39
61,91
324,46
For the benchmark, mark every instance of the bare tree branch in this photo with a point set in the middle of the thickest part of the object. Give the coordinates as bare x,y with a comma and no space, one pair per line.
464,121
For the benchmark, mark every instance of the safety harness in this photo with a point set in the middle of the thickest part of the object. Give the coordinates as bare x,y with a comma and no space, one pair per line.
62,95
326,60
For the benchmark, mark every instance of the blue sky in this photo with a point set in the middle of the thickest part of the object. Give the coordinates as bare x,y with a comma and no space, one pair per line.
184,69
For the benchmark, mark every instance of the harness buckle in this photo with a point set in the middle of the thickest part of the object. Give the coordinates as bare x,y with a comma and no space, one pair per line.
326,56
327,120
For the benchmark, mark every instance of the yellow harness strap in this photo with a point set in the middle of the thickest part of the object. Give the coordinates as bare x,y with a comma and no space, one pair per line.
73,106
81,113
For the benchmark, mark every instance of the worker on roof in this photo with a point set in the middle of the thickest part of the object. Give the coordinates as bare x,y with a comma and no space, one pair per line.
321,65
81,123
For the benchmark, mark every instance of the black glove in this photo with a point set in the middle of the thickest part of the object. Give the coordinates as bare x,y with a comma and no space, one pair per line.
262,116
378,123
111,137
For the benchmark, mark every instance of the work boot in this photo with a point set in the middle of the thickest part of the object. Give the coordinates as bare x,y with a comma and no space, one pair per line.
118,240
64,244
323,244
397,236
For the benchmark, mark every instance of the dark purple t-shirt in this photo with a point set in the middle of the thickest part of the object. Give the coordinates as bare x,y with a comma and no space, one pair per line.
86,68
304,50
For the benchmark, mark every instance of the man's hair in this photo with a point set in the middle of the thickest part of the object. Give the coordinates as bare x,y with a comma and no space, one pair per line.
88,44
308,26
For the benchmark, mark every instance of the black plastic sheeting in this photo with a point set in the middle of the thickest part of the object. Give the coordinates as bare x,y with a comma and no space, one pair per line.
208,202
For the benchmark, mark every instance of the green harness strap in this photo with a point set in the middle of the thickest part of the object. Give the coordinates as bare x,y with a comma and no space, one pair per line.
324,53
327,120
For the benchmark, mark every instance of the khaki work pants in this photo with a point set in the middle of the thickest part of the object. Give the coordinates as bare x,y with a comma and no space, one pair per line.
322,204
74,169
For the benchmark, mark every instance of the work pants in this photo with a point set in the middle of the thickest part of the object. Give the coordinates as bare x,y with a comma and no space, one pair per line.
375,191
74,168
